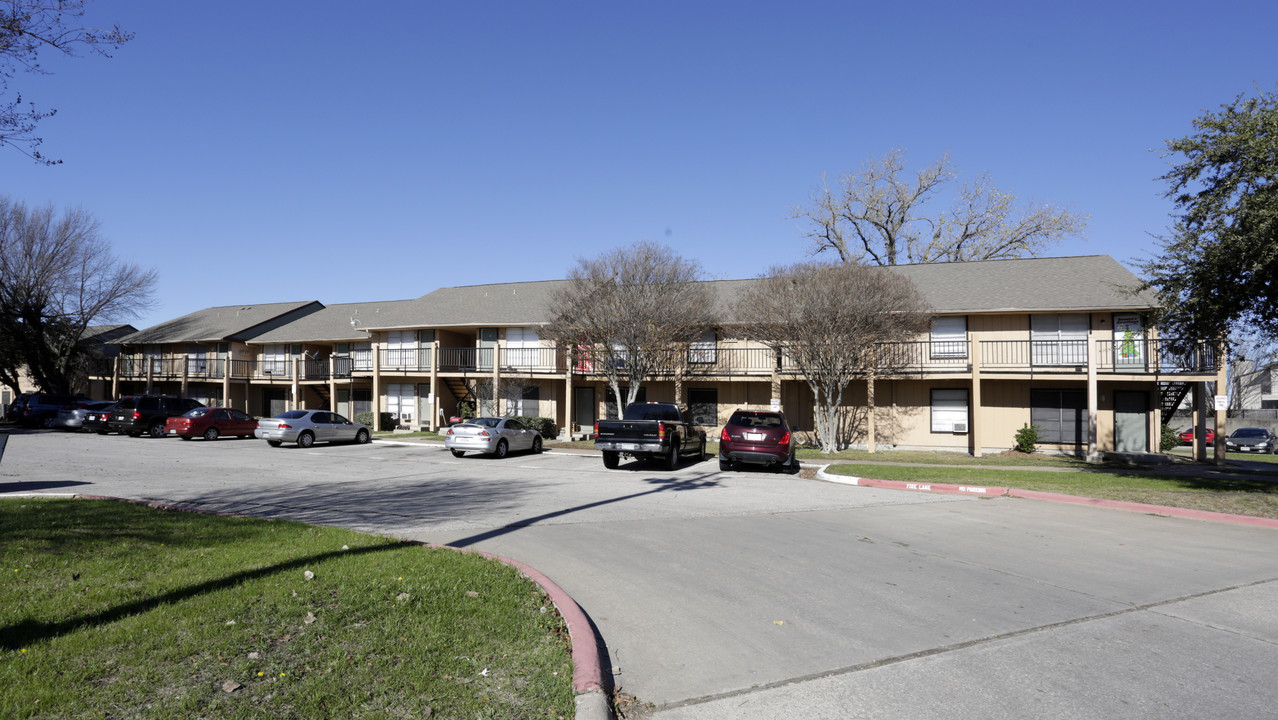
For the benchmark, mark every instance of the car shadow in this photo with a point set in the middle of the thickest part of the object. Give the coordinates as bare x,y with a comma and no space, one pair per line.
38,486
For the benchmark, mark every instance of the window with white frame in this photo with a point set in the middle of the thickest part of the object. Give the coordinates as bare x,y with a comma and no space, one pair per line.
1059,339
275,360
522,346
523,400
401,402
362,356
949,337
702,351
949,410
401,348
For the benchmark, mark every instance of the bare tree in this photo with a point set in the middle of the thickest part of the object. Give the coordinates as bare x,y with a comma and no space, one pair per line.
27,28
631,313
827,319
880,215
57,277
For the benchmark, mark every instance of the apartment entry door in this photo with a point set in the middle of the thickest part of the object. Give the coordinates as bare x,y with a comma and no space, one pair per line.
583,407
1131,421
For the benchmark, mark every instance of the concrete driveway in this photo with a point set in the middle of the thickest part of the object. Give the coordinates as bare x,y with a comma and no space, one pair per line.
753,595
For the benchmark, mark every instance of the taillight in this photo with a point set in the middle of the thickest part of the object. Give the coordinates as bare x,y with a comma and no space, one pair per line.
596,427
485,433
137,415
450,431
661,431
284,426
785,439
724,437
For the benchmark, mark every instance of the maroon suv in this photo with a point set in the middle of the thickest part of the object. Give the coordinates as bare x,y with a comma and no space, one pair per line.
757,437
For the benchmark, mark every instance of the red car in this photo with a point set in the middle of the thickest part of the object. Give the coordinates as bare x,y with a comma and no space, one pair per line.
1187,437
210,423
757,437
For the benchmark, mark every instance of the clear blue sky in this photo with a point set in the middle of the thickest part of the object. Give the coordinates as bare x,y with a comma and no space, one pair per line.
257,152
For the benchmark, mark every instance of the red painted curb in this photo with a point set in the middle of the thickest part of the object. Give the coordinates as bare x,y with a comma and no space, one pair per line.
587,669
980,490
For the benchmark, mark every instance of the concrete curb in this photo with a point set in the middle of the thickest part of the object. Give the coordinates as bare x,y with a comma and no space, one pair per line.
987,491
592,702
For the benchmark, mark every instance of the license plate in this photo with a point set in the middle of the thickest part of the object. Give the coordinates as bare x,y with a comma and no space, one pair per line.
756,436
173,432
629,446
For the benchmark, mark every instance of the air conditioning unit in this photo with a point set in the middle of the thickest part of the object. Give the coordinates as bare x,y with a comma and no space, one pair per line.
960,427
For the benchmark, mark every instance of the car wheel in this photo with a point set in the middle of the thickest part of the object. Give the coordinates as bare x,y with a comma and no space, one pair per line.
724,463
672,460
305,440
458,453
103,432
701,455
210,434
185,437
47,423
611,459
362,437
134,433
274,443
156,430
501,450
536,448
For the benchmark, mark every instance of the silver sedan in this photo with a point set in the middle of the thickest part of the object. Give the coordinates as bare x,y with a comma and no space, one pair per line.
492,435
307,427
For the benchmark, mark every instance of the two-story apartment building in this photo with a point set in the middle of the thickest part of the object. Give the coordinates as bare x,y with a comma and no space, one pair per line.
1062,343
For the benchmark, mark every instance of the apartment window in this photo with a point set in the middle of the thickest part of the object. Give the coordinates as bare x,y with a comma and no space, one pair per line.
523,400
362,356
401,348
702,351
949,410
1267,381
611,409
949,337
703,405
522,347
1059,339
275,360
1061,415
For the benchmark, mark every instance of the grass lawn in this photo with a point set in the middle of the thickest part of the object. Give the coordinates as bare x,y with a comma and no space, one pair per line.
1255,495
115,610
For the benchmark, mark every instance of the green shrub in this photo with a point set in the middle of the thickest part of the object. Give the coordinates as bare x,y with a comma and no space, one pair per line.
387,421
1027,438
1169,440
543,425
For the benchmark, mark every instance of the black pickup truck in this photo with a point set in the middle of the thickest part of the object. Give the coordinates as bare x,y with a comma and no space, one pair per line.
650,431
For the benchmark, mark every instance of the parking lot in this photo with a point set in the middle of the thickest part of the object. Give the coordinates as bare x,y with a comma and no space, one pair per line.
752,594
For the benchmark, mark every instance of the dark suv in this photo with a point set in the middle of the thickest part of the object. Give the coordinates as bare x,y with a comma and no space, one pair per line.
137,414
757,437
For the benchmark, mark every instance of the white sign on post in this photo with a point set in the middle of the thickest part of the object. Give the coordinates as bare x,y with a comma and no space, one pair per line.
1222,402
776,405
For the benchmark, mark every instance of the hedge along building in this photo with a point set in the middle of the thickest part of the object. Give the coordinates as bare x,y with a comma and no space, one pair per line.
1062,343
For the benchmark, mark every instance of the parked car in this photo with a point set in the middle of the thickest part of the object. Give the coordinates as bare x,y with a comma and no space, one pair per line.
13,413
1251,439
492,435
757,437
650,431
307,427
1187,436
72,417
137,414
97,421
41,409
210,423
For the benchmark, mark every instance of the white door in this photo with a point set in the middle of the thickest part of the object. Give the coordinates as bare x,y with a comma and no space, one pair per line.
522,347
401,402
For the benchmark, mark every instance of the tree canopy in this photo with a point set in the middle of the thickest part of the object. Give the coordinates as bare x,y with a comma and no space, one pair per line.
632,313
1218,269
882,216
29,28
828,320
58,277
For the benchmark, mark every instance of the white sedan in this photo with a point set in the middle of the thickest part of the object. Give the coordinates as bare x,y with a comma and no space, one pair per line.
305,427
492,435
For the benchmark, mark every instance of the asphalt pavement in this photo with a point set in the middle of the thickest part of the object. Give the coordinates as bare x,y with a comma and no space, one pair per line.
754,595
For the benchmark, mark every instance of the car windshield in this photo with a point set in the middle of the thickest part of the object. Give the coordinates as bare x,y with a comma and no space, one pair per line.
291,415
198,412
486,422
651,411
756,420
1250,432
